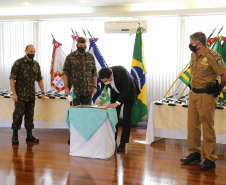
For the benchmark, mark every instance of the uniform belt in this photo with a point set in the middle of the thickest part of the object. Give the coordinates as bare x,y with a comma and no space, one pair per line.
198,90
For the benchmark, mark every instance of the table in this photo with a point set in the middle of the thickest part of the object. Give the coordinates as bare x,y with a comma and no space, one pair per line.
48,114
171,122
92,132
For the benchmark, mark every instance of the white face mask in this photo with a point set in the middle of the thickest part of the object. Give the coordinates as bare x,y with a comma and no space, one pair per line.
106,83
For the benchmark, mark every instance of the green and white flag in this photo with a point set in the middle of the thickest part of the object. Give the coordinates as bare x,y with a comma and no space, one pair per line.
71,95
186,76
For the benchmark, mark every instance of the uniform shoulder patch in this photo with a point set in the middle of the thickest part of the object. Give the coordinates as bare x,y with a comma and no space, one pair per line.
219,61
214,53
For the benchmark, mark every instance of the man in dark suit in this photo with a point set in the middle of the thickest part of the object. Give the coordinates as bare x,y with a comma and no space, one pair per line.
124,90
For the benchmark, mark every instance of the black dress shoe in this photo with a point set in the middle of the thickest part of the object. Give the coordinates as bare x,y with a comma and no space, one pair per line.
208,164
192,158
121,147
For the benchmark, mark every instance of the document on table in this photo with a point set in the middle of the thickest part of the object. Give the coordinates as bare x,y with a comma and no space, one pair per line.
91,106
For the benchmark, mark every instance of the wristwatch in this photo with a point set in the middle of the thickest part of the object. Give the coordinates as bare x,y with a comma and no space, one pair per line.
95,86
43,93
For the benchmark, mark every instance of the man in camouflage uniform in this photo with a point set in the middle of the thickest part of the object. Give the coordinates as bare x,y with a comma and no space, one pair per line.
25,72
80,71
206,65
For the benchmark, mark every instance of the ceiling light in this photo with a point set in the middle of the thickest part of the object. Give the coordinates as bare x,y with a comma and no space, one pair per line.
27,3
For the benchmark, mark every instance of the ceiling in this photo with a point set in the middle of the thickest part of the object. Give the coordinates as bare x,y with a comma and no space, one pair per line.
44,9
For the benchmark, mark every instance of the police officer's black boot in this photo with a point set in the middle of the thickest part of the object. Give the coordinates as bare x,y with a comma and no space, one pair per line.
30,137
15,140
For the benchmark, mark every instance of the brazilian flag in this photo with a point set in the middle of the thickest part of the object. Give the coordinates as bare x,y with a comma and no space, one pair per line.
186,76
138,71
104,96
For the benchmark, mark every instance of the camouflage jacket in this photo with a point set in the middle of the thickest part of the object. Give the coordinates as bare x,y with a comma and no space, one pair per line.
80,70
25,73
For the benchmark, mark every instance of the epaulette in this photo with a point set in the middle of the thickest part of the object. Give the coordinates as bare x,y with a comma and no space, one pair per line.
214,53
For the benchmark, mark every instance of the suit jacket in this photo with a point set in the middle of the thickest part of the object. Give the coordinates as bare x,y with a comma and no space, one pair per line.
126,85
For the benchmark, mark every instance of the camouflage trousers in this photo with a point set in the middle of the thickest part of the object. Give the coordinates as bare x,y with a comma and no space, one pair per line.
82,100
26,109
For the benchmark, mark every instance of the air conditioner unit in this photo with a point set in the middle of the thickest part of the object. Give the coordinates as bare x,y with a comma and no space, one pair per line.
129,26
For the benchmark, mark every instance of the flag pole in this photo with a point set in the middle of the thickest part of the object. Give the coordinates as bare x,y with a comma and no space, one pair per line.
73,31
217,36
89,33
183,91
76,32
72,95
72,98
176,79
53,36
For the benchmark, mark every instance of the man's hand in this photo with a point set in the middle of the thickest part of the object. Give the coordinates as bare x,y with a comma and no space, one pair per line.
15,97
67,91
99,103
94,91
113,105
43,97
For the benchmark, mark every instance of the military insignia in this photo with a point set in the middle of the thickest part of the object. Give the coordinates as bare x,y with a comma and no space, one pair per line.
214,53
219,61
202,71
204,61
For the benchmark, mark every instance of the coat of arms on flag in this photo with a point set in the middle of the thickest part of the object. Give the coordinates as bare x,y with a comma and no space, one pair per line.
58,82
58,58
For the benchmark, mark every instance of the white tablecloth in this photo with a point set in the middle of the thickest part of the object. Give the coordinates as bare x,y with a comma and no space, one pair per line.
171,122
101,145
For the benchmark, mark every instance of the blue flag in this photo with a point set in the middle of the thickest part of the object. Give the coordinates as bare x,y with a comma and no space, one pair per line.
100,62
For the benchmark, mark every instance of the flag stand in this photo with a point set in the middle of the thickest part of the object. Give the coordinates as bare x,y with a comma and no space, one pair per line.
72,105
105,108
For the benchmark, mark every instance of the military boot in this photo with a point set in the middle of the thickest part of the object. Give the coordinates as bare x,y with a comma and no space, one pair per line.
30,137
15,140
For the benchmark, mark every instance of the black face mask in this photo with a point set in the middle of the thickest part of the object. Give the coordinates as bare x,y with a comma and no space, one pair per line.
31,56
81,49
193,48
